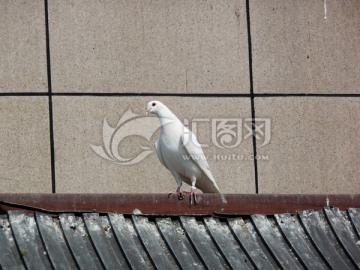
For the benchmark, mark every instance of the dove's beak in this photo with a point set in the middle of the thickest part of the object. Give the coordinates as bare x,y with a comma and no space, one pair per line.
147,112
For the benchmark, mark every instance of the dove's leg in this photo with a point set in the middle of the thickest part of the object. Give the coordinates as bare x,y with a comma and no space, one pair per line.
193,199
178,192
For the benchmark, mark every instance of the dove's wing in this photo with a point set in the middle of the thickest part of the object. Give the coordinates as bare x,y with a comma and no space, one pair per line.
158,152
195,152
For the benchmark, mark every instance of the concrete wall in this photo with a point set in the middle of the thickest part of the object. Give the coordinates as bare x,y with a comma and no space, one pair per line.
61,102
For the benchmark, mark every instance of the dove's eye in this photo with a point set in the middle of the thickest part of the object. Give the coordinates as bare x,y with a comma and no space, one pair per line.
154,104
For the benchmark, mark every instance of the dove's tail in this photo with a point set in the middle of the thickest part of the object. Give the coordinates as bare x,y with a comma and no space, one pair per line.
207,186
223,199
210,186
215,189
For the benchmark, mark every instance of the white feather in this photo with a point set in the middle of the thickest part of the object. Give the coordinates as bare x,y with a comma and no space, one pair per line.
179,151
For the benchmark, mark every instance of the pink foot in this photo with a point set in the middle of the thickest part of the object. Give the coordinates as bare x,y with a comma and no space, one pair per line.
178,193
193,199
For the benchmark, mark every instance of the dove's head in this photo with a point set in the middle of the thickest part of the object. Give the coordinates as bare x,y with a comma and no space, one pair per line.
154,107
161,111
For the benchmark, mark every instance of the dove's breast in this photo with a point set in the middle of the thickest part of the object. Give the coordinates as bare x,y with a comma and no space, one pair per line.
176,157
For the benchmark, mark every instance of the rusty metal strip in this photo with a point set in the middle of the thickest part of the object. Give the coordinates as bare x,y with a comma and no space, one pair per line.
160,204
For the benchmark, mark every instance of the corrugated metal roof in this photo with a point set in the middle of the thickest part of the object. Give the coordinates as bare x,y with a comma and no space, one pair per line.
323,239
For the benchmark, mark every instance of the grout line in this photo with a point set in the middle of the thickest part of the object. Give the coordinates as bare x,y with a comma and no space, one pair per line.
26,94
152,94
265,95
205,95
52,147
306,95
51,119
252,97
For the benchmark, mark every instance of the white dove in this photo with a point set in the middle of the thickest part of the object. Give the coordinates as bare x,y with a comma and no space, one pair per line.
179,151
